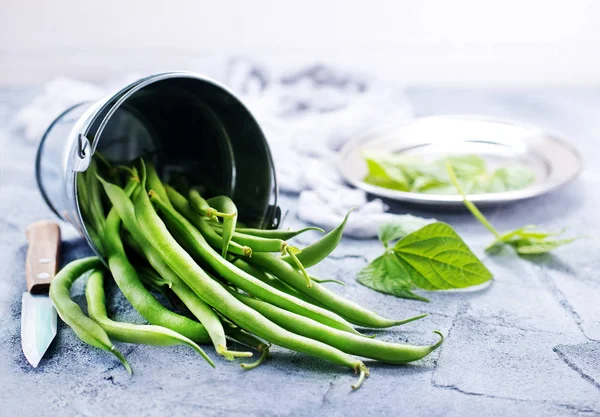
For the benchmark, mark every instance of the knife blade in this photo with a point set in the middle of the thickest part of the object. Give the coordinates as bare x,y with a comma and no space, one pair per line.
38,316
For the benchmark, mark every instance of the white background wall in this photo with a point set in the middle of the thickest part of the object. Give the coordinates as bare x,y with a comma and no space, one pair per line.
431,42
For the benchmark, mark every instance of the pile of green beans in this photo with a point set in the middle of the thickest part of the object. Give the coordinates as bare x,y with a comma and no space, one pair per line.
239,284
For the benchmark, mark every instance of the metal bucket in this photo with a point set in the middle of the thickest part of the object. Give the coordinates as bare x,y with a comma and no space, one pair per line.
190,126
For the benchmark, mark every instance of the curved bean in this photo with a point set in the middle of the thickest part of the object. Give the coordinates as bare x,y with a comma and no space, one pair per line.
85,328
236,276
257,243
316,252
219,298
182,205
270,234
126,332
261,244
226,205
351,311
349,343
203,207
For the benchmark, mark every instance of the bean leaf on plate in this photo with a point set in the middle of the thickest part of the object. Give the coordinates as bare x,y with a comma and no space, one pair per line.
416,174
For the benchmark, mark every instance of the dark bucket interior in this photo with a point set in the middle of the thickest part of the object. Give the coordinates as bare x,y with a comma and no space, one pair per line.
198,135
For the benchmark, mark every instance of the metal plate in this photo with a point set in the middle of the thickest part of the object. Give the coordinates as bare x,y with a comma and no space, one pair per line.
499,142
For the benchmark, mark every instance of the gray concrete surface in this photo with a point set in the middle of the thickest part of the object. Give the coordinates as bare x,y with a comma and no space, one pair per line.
528,344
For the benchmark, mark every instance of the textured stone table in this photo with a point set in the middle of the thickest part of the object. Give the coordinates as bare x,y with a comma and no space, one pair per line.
529,344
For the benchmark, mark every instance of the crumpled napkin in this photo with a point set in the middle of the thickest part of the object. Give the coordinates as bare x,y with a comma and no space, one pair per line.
307,115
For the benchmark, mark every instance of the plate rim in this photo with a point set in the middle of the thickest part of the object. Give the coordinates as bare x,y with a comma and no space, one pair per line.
486,198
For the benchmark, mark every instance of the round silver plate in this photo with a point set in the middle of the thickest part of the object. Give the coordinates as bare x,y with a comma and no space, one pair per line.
499,142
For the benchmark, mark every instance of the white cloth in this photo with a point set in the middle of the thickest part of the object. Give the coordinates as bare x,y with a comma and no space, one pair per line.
307,115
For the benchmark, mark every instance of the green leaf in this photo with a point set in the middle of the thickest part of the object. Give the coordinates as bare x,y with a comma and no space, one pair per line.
514,177
436,258
387,275
528,241
533,247
402,226
466,166
384,174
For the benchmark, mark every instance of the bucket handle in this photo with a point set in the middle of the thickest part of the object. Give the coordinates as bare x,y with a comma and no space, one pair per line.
82,159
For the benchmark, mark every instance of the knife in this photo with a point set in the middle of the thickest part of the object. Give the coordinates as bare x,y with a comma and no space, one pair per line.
38,316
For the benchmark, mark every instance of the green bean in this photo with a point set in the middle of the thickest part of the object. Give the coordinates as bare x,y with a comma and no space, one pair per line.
83,198
282,286
256,243
132,288
270,280
204,209
226,205
94,238
95,200
349,343
269,234
125,210
245,281
261,244
351,311
315,253
182,205
220,298
153,182
126,332
85,328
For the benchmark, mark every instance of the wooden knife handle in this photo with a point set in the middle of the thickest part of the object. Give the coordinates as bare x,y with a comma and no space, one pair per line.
42,255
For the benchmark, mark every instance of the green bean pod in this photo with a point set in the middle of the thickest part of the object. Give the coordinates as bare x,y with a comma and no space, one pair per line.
126,332
245,281
269,234
153,182
203,208
85,328
225,205
95,238
270,280
349,343
134,290
220,298
351,311
256,243
95,200
83,197
182,205
125,210
316,252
